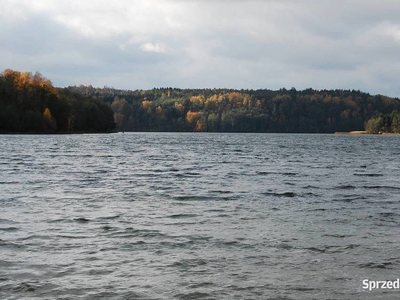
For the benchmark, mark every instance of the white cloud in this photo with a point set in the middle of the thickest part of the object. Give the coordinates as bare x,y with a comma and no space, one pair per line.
153,47
390,30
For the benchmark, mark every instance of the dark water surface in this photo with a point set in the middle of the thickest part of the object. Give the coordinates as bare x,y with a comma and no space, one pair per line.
198,216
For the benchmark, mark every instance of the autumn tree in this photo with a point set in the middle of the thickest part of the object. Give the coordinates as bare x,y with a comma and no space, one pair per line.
49,123
30,103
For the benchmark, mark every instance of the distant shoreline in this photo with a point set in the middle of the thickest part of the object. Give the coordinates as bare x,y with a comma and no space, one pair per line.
56,133
366,132
111,132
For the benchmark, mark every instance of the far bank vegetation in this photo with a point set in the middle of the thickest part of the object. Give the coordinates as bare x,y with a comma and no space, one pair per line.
29,103
228,110
384,123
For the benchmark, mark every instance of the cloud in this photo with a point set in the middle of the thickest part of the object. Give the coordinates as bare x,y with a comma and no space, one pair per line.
150,47
390,30
201,43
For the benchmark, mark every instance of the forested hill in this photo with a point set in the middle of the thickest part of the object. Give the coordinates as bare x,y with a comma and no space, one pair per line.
30,104
228,110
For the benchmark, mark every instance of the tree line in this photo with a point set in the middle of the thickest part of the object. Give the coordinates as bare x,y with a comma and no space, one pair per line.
30,104
229,110
388,123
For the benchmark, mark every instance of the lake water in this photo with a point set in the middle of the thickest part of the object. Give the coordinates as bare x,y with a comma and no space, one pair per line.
198,216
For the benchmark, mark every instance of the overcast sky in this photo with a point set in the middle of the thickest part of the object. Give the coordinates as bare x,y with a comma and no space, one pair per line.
130,44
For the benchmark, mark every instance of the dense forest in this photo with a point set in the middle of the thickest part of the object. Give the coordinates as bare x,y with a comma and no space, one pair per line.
388,123
30,104
227,110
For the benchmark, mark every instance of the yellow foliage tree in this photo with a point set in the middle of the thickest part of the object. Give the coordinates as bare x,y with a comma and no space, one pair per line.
192,116
200,126
49,122
47,115
197,99
247,101
22,80
179,107
147,104
235,97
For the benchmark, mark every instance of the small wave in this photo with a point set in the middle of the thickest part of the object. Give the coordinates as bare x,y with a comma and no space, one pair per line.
99,272
74,237
315,249
5,263
108,249
201,285
371,265
216,210
352,246
223,216
193,296
176,245
189,263
336,235
368,175
276,173
32,237
330,249
9,229
109,218
389,214
131,232
25,287
81,220
349,198
227,244
221,192
319,209
187,174
159,170
344,187
134,244
6,244
195,198
382,187
10,182
107,228
285,194
182,216
264,173
284,246
7,221
300,289
199,238
311,187
100,171
60,221
309,194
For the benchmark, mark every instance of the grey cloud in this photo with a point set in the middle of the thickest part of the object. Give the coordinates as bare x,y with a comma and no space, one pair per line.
240,44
